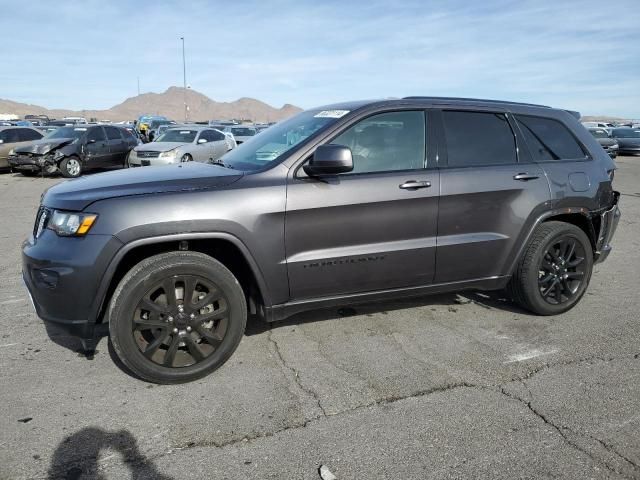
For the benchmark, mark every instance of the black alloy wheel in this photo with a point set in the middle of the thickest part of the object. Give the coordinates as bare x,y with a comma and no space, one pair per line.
561,270
180,321
176,317
554,271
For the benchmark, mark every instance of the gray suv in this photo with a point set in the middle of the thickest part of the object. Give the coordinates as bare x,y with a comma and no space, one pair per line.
349,203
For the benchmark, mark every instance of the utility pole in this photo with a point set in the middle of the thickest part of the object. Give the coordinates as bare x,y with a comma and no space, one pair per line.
184,78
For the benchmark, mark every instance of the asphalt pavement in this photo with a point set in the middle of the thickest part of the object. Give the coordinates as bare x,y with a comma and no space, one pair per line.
450,386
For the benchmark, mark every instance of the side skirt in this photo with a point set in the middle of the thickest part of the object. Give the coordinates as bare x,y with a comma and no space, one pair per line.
284,310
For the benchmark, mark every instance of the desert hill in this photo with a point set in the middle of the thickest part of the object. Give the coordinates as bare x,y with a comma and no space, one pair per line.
170,104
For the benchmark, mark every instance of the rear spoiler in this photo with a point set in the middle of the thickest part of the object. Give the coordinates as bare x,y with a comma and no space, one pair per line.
574,113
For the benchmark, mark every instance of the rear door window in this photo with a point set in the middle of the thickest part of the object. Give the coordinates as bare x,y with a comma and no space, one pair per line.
478,138
96,134
113,133
26,135
549,139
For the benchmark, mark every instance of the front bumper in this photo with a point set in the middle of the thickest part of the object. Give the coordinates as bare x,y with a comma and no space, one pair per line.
63,274
608,224
27,162
136,161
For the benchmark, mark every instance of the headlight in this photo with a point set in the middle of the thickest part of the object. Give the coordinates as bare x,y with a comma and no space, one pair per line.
71,224
58,155
615,146
12,152
171,154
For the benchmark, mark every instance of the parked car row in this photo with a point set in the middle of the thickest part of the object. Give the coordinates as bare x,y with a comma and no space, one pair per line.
617,140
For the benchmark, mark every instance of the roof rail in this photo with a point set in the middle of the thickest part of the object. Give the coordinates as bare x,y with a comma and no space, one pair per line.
477,100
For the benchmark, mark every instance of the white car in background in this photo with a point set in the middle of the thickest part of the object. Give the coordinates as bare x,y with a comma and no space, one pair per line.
182,144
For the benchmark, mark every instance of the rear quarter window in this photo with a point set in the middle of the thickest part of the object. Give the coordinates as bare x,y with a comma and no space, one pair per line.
549,139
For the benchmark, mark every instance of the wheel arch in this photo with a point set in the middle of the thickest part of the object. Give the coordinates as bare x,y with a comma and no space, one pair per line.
578,216
226,248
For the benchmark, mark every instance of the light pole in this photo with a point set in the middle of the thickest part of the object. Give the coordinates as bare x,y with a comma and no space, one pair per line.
184,78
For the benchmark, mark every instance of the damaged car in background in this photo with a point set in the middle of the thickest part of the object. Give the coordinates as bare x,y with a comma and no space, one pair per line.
72,150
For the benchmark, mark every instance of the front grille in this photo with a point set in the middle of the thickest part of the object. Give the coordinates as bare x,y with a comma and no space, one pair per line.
41,221
147,154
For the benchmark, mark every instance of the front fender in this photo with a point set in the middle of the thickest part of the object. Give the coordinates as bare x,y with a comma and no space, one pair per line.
107,278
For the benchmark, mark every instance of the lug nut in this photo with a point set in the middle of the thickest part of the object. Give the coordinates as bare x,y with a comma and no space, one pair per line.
175,330
188,329
192,316
180,307
170,319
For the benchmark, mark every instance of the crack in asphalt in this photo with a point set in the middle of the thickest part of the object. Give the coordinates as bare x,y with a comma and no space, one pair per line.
562,432
499,388
296,374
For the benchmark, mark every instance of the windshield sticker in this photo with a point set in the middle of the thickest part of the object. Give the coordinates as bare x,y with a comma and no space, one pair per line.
185,132
331,114
79,129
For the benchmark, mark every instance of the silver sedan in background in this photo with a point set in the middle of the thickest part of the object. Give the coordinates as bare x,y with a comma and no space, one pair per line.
182,144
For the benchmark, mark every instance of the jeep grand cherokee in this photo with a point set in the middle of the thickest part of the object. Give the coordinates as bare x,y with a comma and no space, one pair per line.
343,204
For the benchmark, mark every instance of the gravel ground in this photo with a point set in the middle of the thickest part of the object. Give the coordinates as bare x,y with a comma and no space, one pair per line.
449,386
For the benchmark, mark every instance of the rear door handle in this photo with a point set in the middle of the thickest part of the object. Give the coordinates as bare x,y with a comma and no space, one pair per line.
525,177
413,185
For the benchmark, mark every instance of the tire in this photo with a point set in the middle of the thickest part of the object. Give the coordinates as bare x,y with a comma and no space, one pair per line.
544,281
131,334
71,167
186,158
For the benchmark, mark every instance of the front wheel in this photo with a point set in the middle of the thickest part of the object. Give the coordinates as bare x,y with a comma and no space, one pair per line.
70,167
186,158
554,272
176,317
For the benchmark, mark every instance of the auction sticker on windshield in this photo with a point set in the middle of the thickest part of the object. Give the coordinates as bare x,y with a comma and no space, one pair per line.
331,114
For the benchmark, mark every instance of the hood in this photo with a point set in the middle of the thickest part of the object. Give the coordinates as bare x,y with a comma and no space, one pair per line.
628,141
606,142
77,194
158,146
44,146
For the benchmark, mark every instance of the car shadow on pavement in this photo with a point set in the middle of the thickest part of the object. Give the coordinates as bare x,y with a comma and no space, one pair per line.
491,300
78,455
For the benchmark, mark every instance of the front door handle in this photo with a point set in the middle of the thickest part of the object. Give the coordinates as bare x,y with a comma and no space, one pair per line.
525,177
413,185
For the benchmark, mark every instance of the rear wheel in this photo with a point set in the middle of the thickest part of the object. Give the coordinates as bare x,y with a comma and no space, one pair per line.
176,317
554,272
70,167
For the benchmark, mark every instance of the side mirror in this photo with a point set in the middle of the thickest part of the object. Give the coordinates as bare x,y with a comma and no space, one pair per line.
202,140
329,160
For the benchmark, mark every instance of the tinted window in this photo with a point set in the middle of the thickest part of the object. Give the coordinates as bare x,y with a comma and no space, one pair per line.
96,134
113,133
216,136
206,135
478,138
549,139
599,132
387,141
26,135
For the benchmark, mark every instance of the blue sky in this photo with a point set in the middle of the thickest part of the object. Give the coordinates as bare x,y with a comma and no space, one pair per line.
582,55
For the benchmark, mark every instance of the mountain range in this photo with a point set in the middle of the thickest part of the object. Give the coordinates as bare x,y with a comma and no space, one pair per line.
170,104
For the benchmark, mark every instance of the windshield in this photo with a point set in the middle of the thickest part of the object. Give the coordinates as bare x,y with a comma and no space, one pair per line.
625,133
67,132
264,149
599,133
178,136
243,132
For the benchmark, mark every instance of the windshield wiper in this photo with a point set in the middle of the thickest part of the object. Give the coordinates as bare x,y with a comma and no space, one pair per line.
220,163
